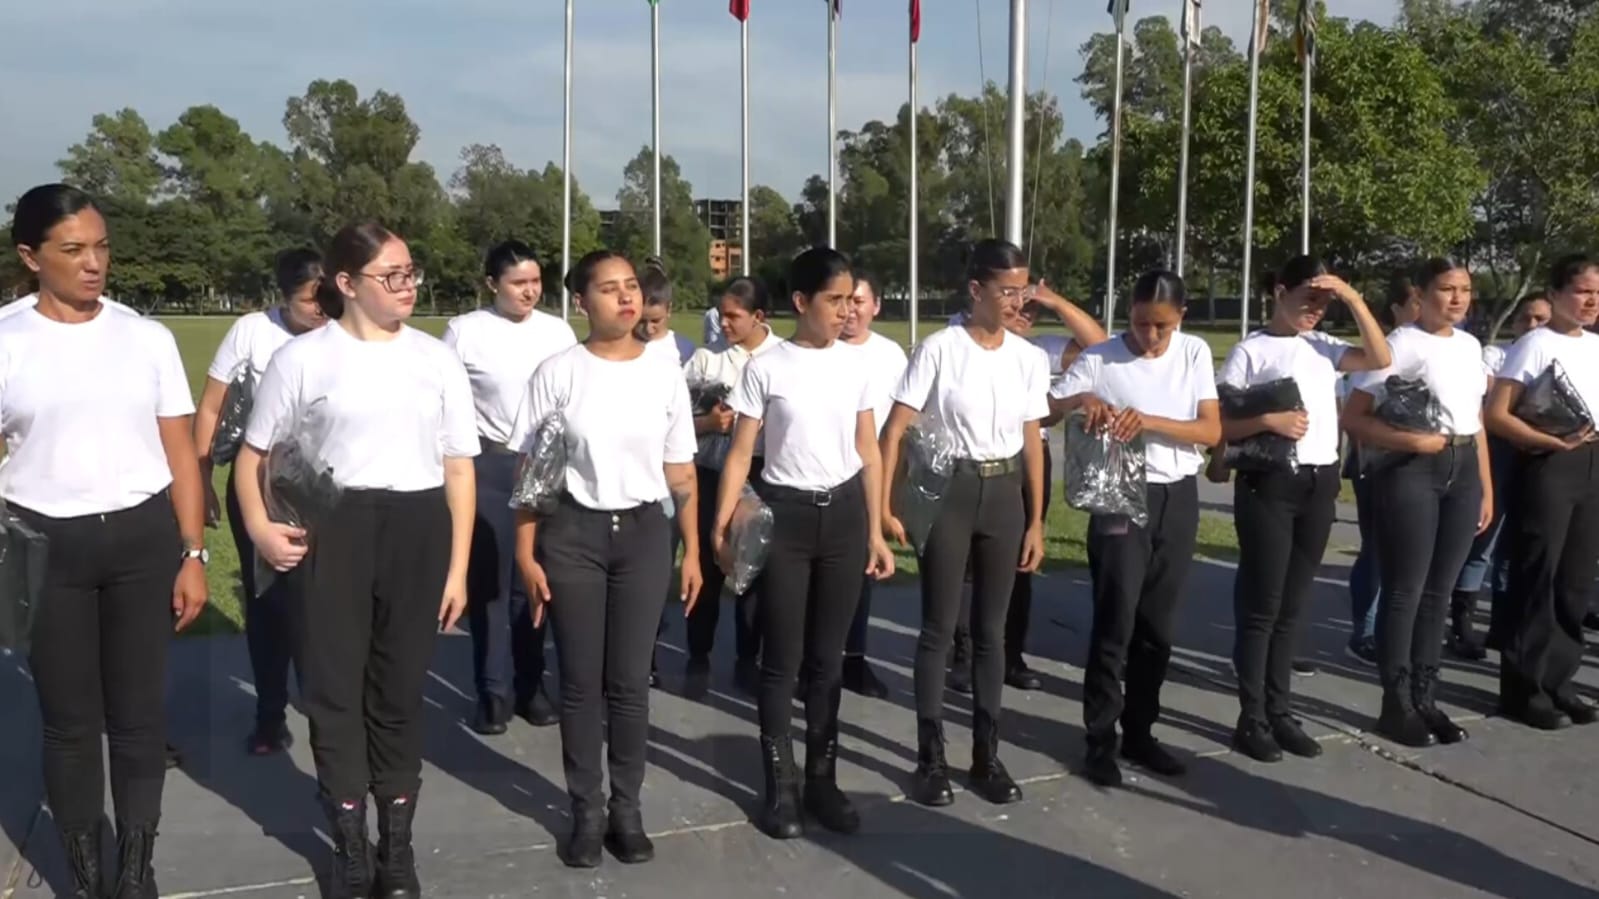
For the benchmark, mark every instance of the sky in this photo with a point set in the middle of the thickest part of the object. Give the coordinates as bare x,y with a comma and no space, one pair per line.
489,71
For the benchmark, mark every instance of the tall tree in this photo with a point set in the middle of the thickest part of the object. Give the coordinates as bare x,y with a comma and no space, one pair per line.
117,160
685,240
219,169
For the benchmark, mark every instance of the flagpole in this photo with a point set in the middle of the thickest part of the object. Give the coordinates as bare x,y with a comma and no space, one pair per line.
566,170
832,123
1017,121
655,117
744,138
1115,178
915,199
1304,176
1182,163
1249,172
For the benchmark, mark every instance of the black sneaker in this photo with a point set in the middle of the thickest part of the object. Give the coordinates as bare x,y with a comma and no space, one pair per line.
538,710
1100,767
1304,668
1018,675
1254,739
1292,739
1362,651
1146,752
269,739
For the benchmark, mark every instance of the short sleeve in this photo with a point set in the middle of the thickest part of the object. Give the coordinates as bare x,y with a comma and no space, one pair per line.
1204,373
748,399
1079,378
868,397
1493,359
698,364
1524,361
680,442
173,399
460,415
233,350
1329,347
1235,368
544,396
452,336
921,373
568,337
1403,358
275,399
1036,377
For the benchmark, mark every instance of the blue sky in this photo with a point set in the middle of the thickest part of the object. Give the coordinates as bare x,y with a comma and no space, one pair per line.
489,71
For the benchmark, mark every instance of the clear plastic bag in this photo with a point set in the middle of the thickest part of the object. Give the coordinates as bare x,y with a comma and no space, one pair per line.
23,556
1552,405
1265,451
235,415
705,397
929,462
1105,476
297,487
1407,405
541,475
749,541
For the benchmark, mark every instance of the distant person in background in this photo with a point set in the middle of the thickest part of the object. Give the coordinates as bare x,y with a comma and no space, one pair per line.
500,346
269,616
715,337
655,325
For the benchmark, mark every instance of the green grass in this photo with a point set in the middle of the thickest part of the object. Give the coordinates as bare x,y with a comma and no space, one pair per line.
198,338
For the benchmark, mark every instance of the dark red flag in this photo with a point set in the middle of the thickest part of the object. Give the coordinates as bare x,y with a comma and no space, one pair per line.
916,20
739,8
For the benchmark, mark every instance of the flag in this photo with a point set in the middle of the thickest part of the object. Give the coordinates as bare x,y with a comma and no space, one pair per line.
1118,11
838,7
1262,25
740,9
1305,31
1190,24
916,20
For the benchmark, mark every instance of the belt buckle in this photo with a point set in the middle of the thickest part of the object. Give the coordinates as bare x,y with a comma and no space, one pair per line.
821,499
991,468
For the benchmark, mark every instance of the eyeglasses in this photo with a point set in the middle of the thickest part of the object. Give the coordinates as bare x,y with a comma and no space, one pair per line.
394,282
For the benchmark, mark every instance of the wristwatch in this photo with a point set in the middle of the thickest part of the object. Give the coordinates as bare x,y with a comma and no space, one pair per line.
200,555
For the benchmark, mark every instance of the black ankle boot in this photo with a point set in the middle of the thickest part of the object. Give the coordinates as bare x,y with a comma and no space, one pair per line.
350,875
990,780
780,816
626,839
1422,687
135,851
1462,640
823,799
586,845
1399,720
930,781
396,861
83,858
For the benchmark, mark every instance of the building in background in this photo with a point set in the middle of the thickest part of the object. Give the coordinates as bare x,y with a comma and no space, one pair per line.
720,217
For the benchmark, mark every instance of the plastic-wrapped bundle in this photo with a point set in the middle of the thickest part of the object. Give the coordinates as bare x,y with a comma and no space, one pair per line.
1266,451
23,555
929,462
749,541
1552,405
297,487
236,405
706,397
541,476
1105,476
1407,405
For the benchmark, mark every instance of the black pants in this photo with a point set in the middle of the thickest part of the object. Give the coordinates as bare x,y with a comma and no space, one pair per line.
1554,531
507,650
99,659
707,612
269,626
1138,575
808,595
608,574
1427,509
981,520
370,591
1021,595
1283,521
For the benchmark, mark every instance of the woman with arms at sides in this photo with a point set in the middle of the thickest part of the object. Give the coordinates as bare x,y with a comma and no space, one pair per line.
742,312
1554,517
500,346
1156,381
100,460
823,482
988,390
268,616
1430,502
600,563
1284,518
385,571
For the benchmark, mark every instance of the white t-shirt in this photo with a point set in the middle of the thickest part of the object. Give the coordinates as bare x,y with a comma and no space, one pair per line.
1493,359
500,356
885,365
1530,356
79,405
23,304
384,415
725,366
809,401
982,397
1311,359
252,341
1451,367
624,422
1171,385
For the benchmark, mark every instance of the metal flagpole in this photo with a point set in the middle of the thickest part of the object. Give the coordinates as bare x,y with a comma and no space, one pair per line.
655,116
1190,44
1307,52
1119,8
744,138
1016,124
832,122
1257,35
566,170
915,199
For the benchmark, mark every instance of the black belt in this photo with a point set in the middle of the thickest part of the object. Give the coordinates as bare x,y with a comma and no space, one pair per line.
993,468
1460,439
491,448
821,499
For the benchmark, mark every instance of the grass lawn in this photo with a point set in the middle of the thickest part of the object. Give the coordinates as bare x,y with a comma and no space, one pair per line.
198,339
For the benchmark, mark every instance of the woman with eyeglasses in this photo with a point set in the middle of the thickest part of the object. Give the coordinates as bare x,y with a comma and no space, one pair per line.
989,391
501,346
390,410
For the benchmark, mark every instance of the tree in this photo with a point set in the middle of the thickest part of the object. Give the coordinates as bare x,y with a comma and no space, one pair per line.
775,236
685,240
117,160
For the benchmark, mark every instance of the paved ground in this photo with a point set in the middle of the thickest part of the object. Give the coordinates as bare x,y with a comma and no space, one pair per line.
1510,813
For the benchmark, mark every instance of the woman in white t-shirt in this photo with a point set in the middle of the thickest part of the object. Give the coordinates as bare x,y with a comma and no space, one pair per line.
268,616
1156,381
1429,502
823,482
100,461
500,346
655,325
1284,519
388,410
988,390
602,561
1554,516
